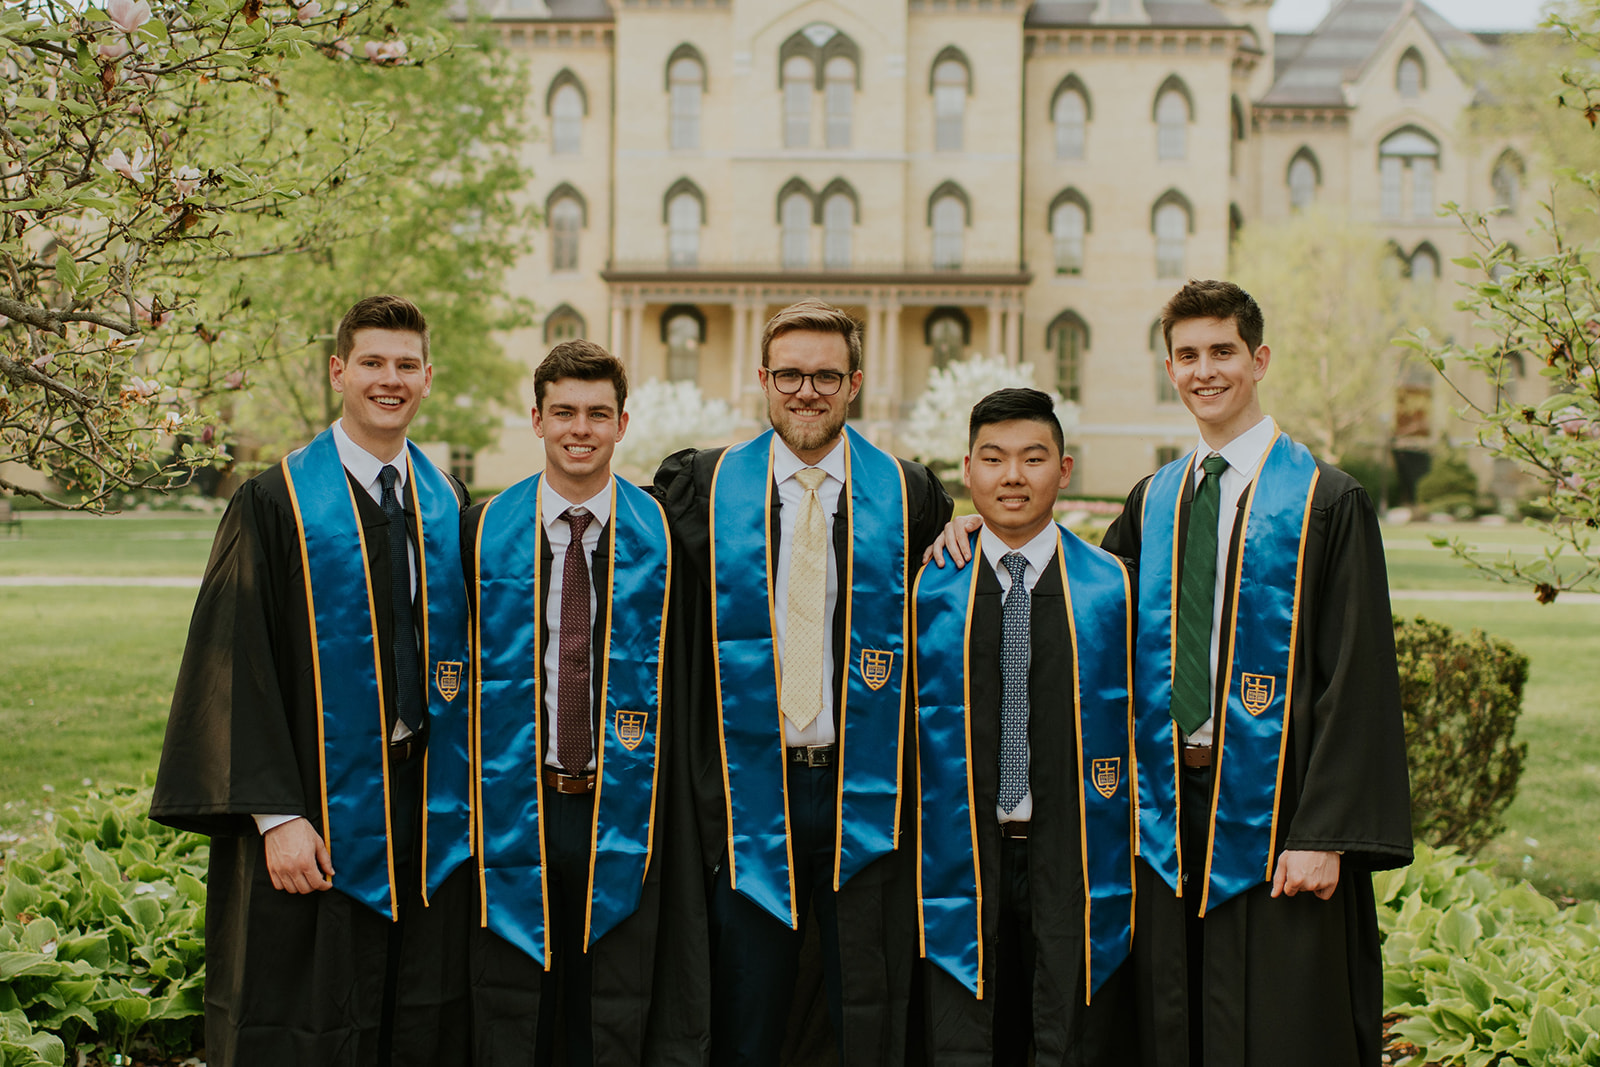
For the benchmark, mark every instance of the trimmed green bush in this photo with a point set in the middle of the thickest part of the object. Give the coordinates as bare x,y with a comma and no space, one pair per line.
1487,972
1462,695
102,931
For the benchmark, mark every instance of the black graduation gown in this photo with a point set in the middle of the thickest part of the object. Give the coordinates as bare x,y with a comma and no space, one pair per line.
876,908
1065,1030
1297,977
296,978
507,983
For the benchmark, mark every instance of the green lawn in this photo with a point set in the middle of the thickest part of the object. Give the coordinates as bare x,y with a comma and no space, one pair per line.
88,673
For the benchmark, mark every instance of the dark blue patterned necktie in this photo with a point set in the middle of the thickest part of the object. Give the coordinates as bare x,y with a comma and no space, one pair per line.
1014,651
408,702
1197,600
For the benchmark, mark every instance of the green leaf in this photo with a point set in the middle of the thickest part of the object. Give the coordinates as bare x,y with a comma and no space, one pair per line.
1546,1033
1459,930
18,897
67,271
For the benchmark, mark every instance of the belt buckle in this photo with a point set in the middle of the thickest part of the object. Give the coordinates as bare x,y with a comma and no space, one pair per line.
812,755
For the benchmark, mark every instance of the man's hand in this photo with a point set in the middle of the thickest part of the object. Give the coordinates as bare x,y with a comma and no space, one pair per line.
954,541
297,859
1310,872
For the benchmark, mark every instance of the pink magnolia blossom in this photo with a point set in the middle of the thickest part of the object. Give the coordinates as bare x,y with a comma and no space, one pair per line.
114,49
4,322
129,15
170,423
132,169
388,52
343,48
185,180
137,388
307,11
235,380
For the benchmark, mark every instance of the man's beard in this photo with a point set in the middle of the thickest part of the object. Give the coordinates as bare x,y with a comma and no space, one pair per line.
806,437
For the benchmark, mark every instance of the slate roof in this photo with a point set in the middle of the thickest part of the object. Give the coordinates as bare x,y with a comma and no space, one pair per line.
1050,13
1313,72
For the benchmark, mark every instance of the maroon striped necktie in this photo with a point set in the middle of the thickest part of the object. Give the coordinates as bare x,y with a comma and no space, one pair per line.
574,744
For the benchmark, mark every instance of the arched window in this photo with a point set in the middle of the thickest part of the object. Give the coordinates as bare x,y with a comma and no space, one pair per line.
838,225
1409,75
1166,392
1172,221
952,80
1407,149
563,324
684,208
684,329
839,78
1068,339
1173,112
686,80
1424,266
1070,113
796,211
798,74
566,220
1304,177
947,214
566,120
1069,221
1507,180
947,332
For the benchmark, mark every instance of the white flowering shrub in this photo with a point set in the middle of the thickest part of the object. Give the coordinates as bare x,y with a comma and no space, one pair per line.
664,417
936,433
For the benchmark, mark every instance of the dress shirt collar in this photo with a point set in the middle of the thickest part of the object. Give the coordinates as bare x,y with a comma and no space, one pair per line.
552,504
1039,551
363,464
1245,452
785,464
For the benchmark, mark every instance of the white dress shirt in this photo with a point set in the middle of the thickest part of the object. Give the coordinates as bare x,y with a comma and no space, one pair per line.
785,464
1244,455
551,506
367,470
1040,552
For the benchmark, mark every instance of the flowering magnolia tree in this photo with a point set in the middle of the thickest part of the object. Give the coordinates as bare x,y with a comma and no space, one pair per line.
1540,313
936,432
150,160
664,417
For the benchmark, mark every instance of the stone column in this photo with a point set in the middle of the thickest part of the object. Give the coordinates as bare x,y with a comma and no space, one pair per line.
996,310
636,333
876,406
618,348
893,381
741,348
1014,331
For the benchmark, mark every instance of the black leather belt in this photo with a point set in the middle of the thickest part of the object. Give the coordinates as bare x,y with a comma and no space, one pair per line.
1016,831
812,755
401,751
567,783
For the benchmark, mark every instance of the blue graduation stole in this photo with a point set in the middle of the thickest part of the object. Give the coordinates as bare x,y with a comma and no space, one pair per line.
871,712
346,656
1256,663
949,877
509,741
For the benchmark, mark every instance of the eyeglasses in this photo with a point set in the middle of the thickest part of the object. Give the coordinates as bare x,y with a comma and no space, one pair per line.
825,382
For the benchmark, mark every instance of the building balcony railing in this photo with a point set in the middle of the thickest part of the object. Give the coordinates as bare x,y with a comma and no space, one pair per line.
859,272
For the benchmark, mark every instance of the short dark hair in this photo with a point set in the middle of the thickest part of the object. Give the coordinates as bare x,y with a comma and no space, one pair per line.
381,312
814,315
585,361
1009,405
1212,299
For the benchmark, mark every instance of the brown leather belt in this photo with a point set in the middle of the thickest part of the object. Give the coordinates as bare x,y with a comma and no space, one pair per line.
567,783
812,755
400,751
1016,831
1197,755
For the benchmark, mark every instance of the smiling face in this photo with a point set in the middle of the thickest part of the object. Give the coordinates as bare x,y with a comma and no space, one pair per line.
1015,471
581,426
382,380
1215,373
809,422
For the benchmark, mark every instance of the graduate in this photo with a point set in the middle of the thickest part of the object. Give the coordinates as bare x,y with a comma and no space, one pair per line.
1025,714
569,575
329,634
800,546
1272,763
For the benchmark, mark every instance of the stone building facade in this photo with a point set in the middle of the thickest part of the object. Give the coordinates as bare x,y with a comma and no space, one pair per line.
995,176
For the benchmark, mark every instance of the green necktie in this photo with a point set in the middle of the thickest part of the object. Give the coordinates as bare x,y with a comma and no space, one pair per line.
1191,656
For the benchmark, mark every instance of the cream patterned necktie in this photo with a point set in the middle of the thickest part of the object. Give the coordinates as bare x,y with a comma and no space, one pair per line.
804,629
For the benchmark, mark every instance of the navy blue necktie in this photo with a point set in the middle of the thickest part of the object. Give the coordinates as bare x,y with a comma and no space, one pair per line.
1197,599
408,700
1014,653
